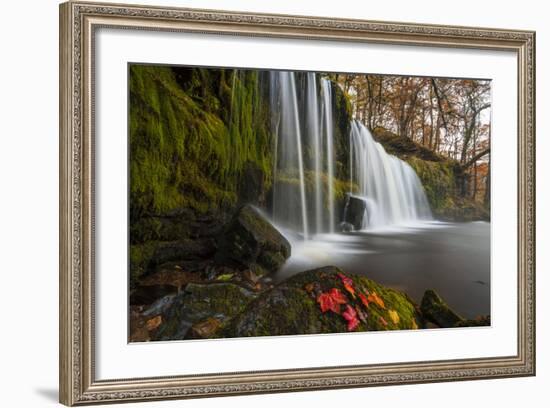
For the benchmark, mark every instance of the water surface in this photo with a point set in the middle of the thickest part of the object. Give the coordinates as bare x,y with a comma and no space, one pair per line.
451,258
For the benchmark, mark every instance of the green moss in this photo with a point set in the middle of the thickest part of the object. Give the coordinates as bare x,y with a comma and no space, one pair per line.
441,177
339,187
437,311
140,256
438,179
292,307
188,147
200,301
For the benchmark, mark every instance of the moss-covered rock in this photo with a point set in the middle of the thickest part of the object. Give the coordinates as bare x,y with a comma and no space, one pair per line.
293,307
199,302
437,311
400,146
250,241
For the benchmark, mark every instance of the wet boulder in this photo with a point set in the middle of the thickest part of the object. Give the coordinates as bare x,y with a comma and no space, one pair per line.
435,310
251,242
201,303
355,211
345,227
317,301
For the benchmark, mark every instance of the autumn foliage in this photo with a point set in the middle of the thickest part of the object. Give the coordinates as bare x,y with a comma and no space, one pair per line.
353,313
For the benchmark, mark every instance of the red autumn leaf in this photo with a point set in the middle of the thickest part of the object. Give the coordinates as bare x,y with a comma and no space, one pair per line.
351,318
345,279
348,284
338,296
331,300
364,300
327,303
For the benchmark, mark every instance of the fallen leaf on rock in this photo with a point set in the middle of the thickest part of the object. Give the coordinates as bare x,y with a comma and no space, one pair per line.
345,279
373,297
205,329
364,300
153,323
331,300
351,318
225,277
338,296
394,316
350,290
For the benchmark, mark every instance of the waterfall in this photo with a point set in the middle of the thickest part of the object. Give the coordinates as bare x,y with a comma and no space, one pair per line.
390,187
304,152
289,155
305,161
328,131
314,140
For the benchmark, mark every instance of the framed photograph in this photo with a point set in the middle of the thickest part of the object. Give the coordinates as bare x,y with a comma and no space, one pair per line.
256,203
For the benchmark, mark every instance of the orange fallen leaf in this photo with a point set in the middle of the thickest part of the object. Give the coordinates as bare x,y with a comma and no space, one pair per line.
350,290
153,323
206,328
373,297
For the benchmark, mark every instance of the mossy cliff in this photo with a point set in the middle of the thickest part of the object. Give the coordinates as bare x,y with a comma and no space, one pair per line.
193,135
442,178
199,143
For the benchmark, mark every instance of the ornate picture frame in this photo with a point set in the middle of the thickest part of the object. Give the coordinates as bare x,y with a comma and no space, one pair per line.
78,24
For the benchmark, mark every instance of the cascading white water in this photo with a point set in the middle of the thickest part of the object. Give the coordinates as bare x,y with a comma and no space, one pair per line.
304,149
290,152
304,163
314,141
329,140
390,187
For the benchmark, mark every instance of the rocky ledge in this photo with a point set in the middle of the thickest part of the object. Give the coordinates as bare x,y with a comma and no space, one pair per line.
323,300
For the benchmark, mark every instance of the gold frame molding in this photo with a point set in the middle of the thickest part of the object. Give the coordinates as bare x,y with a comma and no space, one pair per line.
78,22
